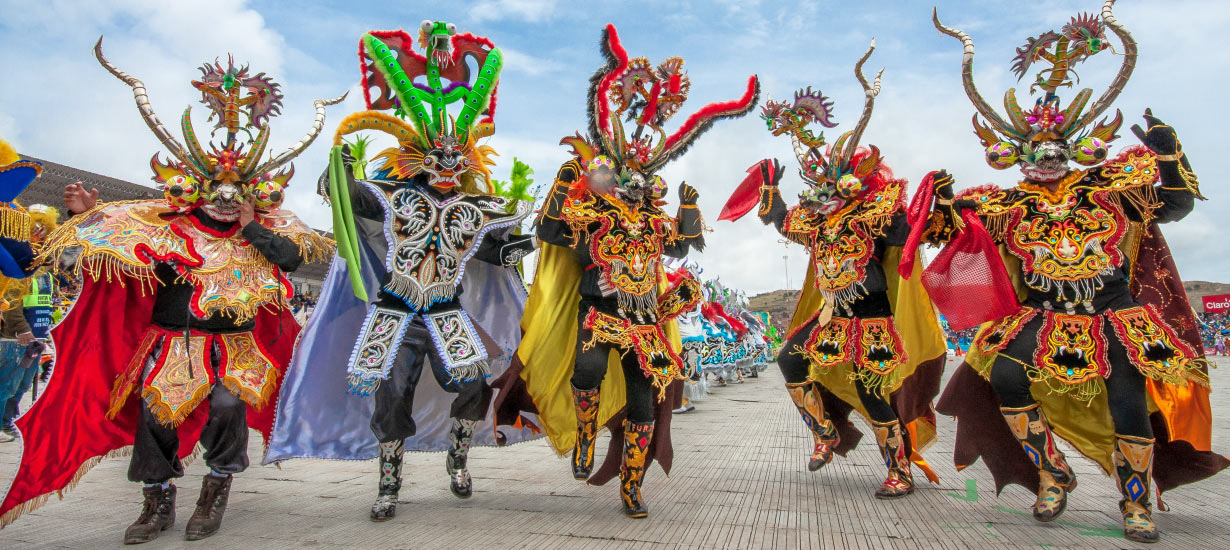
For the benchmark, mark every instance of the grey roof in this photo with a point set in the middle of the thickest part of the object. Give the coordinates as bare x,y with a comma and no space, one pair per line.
48,189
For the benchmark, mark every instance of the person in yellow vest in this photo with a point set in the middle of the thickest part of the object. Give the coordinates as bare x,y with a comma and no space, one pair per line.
24,328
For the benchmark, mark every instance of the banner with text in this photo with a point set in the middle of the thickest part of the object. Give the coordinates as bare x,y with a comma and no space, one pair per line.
1217,303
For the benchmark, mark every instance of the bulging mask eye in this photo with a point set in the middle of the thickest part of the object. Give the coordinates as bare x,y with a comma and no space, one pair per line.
1002,155
1089,151
182,191
427,25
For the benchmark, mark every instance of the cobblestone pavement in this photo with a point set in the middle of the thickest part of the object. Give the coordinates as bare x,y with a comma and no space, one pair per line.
740,481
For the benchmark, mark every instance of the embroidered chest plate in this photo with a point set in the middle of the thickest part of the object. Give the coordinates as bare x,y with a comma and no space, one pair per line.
431,239
1067,240
627,245
843,243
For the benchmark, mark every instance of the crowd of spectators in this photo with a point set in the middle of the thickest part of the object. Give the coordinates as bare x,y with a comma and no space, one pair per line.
1215,332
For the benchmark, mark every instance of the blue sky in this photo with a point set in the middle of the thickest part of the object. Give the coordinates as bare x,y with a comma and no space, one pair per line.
57,103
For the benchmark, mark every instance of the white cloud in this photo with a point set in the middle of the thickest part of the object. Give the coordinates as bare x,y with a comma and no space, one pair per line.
531,11
531,65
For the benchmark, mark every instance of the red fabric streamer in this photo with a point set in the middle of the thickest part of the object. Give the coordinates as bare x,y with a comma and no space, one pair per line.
67,429
967,280
747,194
916,215
714,110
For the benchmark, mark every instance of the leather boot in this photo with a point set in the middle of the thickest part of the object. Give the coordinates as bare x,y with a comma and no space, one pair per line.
899,482
587,432
385,506
636,444
806,398
157,515
1056,479
210,506
455,461
1133,469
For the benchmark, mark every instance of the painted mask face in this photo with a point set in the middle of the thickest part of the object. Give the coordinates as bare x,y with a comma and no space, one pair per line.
223,201
1049,161
633,188
821,199
445,163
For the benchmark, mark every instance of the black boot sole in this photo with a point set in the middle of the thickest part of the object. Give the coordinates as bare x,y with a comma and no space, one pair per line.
151,539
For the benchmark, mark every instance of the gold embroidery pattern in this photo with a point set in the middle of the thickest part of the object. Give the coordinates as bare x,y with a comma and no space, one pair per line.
878,354
627,245
654,354
233,278
250,373
843,243
829,345
1153,347
180,380
996,338
678,299
1071,354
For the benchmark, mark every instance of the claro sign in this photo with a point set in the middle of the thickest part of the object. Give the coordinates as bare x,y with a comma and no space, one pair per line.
1217,303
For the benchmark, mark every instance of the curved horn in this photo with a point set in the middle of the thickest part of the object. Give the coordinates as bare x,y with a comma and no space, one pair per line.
1125,70
800,150
147,111
967,74
871,91
313,131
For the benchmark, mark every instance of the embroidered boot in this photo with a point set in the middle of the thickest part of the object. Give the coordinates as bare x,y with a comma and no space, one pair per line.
899,482
1056,479
210,506
390,480
157,515
587,432
636,443
455,461
806,398
1134,468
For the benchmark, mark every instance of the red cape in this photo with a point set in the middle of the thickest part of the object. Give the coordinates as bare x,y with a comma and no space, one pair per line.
66,432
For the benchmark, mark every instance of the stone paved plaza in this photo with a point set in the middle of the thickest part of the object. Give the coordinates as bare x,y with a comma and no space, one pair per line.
739,481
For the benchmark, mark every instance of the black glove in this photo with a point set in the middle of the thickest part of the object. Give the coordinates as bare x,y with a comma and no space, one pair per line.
688,194
943,184
773,179
1160,137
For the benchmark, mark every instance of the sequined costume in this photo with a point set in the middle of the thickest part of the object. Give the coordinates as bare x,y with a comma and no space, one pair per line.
193,300
1102,333
599,307
416,226
861,338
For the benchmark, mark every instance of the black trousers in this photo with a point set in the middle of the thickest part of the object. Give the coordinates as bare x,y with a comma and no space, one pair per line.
393,419
795,368
155,457
1125,387
591,369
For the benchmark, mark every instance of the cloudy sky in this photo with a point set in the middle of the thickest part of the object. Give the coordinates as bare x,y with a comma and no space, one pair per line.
57,103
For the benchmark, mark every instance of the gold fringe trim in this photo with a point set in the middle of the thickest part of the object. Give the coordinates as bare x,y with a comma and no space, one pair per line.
15,223
257,400
876,383
997,224
164,413
128,379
